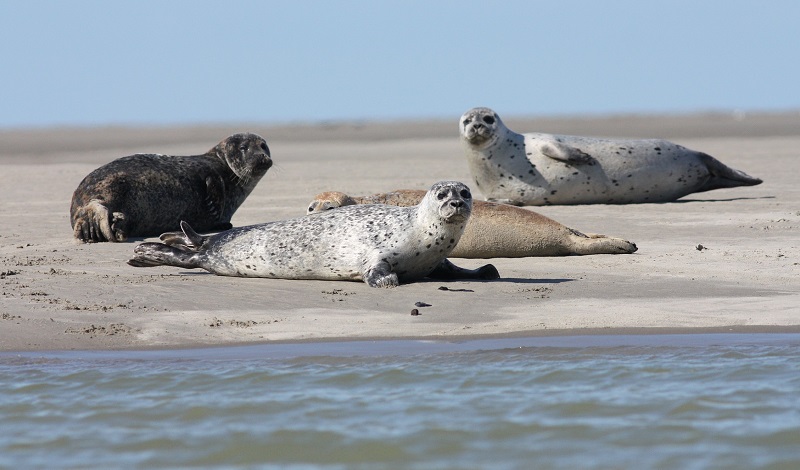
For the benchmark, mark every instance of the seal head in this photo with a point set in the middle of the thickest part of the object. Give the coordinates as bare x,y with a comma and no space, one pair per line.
451,200
247,155
329,200
481,127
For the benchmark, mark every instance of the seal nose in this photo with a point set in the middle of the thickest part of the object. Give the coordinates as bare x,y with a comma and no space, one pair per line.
265,158
456,204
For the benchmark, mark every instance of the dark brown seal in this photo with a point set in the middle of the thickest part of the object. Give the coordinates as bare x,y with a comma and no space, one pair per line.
147,194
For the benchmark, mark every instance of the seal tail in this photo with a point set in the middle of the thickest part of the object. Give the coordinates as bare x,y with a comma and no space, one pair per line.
723,176
179,249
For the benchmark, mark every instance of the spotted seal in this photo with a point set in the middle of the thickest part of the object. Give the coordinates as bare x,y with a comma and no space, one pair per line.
148,194
540,169
381,245
496,230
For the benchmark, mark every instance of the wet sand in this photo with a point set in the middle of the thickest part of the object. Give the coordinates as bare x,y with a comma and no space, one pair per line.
58,294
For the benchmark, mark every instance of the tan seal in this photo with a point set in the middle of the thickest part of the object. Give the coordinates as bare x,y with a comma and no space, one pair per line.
537,169
496,230
147,194
379,244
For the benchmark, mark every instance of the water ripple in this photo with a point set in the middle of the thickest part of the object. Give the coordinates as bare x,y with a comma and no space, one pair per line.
729,406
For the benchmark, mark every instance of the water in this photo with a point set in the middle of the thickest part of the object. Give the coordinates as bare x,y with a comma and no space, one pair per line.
693,401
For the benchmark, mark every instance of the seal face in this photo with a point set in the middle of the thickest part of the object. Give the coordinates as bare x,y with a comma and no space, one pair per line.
496,230
148,194
541,169
379,244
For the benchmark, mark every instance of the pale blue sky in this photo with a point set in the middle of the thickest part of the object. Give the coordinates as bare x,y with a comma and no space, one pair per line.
102,62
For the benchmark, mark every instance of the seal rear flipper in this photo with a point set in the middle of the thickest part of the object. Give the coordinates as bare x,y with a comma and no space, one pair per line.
188,238
724,176
151,254
93,223
196,239
449,271
595,244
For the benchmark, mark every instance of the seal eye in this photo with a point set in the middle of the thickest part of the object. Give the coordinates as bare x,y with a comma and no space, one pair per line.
243,147
465,194
488,119
467,121
441,196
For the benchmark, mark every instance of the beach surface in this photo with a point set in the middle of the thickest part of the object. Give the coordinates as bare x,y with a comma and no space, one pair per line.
725,260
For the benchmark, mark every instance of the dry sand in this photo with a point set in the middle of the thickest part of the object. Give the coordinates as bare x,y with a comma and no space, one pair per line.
59,294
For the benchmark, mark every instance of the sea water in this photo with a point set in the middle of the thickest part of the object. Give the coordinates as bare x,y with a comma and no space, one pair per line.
683,401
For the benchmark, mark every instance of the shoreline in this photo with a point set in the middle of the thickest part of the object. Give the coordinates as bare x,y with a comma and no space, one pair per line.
58,294
385,347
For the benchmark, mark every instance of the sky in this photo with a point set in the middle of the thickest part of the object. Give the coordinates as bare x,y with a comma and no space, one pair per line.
99,62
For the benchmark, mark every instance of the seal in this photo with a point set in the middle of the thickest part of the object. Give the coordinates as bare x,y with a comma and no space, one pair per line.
496,230
539,169
379,244
147,194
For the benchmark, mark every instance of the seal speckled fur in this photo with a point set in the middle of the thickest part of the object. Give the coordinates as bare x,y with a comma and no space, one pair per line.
379,244
496,230
538,169
147,194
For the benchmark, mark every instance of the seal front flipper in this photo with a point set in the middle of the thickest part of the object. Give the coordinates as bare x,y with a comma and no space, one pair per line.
215,197
381,275
446,270
566,153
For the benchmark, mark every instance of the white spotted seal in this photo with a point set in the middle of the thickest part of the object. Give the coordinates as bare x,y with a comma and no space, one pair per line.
496,230
540,169
379,244
146,194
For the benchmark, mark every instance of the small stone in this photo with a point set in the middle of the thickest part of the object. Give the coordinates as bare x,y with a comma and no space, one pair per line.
421,304
415,312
